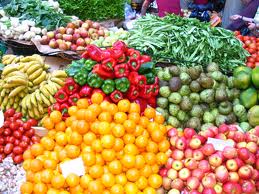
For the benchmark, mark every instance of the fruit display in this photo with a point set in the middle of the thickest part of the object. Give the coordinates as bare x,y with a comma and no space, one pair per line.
196,167
27,86
191,97
251,44
78,34
16,136
121,150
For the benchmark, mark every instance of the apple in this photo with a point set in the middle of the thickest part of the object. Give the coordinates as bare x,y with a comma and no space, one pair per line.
188,153
80,42
239,162
71,25
73,47
201,138
184,174
83,33
85,26
255,175
231,187
163,172
243,153
53,44
88,41
215,130
221,136
198,155
248,187
181,143
167,183
245,172
198,173
193,183
172,174
251,160
208,133
177,155
189,133
67,37
208,181
218,188
190,163
177,165
208,149
231,165
101,32
257,185
69,31
94,36
252,147
194,192
169,163
239,136
174,191
177,184
251,137
58,36
231,134
222,174
223,128
80,49
68,45
96,25
50,34
204,166
257,164
209,191
59,41
241,144
172,132
232,127
173,140
229,152
233,177
76,36
215,160
63,46
44,40
195,143
62,30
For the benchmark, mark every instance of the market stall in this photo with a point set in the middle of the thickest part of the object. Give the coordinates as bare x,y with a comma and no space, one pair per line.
170,106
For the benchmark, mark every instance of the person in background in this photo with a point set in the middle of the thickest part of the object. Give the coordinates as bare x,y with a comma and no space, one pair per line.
164,7
231,7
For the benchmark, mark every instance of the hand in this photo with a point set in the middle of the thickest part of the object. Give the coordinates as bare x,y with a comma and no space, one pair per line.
235,17
251,26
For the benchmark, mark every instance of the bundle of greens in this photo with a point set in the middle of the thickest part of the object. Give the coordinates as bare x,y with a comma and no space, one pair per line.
187,42
43,15
94,9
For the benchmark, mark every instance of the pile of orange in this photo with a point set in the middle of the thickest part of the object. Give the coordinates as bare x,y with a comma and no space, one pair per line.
122,150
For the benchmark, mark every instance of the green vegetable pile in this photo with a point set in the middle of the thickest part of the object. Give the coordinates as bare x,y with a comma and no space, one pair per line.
94,9
187,42
35,10
191,97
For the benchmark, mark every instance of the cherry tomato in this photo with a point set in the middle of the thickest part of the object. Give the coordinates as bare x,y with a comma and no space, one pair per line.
29,133
2,141
32,122
17,134
6,124
26,126
35,139
19,122
7,131
17,115
23,144
12,119
13,126
8,148
25,139
240,37
10,139
251,59
21,130
1,149
16,142
9,113
2,157
17,150
1,131
248,42
17,159
249,64
246,38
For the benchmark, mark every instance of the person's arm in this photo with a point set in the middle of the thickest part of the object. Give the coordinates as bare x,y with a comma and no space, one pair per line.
236,17
145,6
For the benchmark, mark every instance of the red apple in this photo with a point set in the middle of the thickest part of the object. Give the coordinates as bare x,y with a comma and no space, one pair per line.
177,184
239,136
44,40
67,37
96,25
218,188
198,155
245,172
189,133
195,143
169,163
166,183
172,174
83,33
174,191
221,136
71,25
201,138
239,162
257,164
80,49
204,166
184,174
85,25
172,132
223,128
222,174
163,172
209,133
198,173
209,191
181,143
62,30
255,175
59,41
193,183
68,45
94,36
252,147
241,144
177,165
63,46
231,134
173,140
215,160
190,163
231,165
88,41
53,44
208,181
233,177
229,152
215,130
251,137
188,153
194,192
208,149
73,47
248,187
80,42
231,187
58,36
177,155
70,31
76,36
101,32
251,160
50,34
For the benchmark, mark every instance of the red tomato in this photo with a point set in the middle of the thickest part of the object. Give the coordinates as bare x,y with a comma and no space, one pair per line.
19,122
17,150
21,129
254,55
2,141
6,124
25,139
26,126
35,139
17,115
1,149
249,64
23,144
14,126
10,139
9,113
251,59
237,33
1,131
33,122
17,159
7,131
248,42
252,46
17,134
16,142
246,38
257,58
29,133
251,51
12,119
8,148
240,37
2,157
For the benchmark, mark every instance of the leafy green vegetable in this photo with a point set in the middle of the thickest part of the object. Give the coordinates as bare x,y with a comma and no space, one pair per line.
96,10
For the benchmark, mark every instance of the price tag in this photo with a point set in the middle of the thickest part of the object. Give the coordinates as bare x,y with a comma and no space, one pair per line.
220,144
1,118
75,166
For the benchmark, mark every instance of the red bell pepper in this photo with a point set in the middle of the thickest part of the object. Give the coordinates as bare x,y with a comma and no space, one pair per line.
99,70
116,96
132,93
71,86
56,106
98,91
121,59
109,64
106,54
120,45
121,70
154,89
107,98
137,80
64,109
85,55
117,53
94,52
85,91
152,101
145,92
142,103
61,96
134,54
134,64
73,99
145,59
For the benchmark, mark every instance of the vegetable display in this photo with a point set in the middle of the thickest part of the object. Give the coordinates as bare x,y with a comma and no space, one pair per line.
198,167
121,154
186,42
190,97
27,86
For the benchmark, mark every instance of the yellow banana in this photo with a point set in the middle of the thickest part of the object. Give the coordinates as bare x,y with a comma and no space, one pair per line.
16,73
29,59
43,83
19,109
45,91
40,79
31,113
52,85
16,91
17,59
29,64
33,68
9,68
24,111
11,101
3,92
22,94
5,101
50,89
1,99
45,99
58,81
15,105
17,99
28,102
46,67
59,74
8,106
38,58
52,99
6,57
9,60
40,108
35,75
23,103
36,112
37,95
2,107
33,99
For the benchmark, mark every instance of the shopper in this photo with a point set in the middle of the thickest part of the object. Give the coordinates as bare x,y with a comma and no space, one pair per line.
164,7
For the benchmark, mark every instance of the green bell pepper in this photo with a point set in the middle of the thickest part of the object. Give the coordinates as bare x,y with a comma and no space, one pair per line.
122,84
150,78
89,64
81,77
108,86
94,80
146,68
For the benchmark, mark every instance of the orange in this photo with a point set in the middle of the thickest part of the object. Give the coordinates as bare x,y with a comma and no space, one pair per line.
155,181
72,110
131,149
140,162
53,191
61,126
61,139
150,113
141,141
72,151
104,128
37,149
105,116
95,186
161,158
36,165
50,164
105,106
89,115
72,180
142,183
82,127
117,189
26,188
157,136
97,145
108,155
85,180
155,168
150,158
143,121
76,190
30,176
47,143
95,108
128,138
107,141
54,156
132,174
146,171
163,146
70,120
115,167
108,180
89,158
63,192
51,133
120,154
82,103
75,138
55,116
113,109
131,188
152,147
129,126
97,98
118,130
134,117
62,155
139,131
27,164
124,105
46,176
58,148
57,181
159,119
149,190
40,188
128,161
134,108
118,144
120,117
96,171
48,124
121,179
80,114
89,138
99,159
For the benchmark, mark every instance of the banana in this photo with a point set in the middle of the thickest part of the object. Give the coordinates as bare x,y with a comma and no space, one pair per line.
15,105
28,101
18,109
8,106
50,89
17,99
43,83
59,74
52,99
45,91
33,99
2,107
5,101
1,99
11,101
38,58
35,75
33,68
31,113
40,108
36,112
3,92
37,95
45,99
29,59
17,80
6,57
9,60
29,64
22,94
46,67
16,91
52,85
24,111
10,68
17,59
40,79
23,103
16,73
59,81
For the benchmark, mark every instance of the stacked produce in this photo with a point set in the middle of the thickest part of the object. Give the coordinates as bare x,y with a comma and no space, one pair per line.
198,167
251,44
248,81
186,42
78,34
27,86
121,150
191,97
16,135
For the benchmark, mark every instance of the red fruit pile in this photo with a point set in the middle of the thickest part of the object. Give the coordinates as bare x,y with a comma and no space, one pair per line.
196,167
16,136
251,44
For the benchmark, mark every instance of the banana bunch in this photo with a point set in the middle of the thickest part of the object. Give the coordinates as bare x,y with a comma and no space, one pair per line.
11,59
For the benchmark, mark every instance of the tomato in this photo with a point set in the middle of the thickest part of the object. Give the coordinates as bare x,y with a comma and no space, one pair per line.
257,58
25,139
1,131
2,141
21,130
257,64
16,142
19,122
17,115
246,38
252,46
17,150
2,156
27,126
29,133
18,159
32,122
249,64
1,149
254,55
17,134
251,60
10,139
9,113
240,37
6,124
237,33
251,51
7,131
23,144
14,126
8,148
35,139
248,42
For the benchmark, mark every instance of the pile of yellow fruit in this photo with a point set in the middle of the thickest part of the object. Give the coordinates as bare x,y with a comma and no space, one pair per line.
122,150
